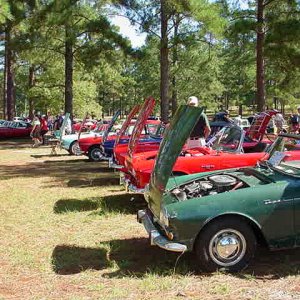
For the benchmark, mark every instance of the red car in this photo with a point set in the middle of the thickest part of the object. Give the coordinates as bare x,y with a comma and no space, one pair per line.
90,145
230,148
139,141
15,129
87,125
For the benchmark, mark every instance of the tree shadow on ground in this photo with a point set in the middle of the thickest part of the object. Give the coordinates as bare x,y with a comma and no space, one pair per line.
68,260
49,155
104,181
121,203
135,257
15,143
58,170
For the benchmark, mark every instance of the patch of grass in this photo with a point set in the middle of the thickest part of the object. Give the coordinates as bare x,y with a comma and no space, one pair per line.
221,289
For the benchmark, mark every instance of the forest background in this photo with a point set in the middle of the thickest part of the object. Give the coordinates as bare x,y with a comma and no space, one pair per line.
67,54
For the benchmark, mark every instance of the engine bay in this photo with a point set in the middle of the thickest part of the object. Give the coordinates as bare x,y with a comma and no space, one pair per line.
210,185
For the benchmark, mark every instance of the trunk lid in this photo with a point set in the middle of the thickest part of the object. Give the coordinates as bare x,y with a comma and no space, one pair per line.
174,138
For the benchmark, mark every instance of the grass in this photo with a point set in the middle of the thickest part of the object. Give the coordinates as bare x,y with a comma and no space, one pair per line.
68,231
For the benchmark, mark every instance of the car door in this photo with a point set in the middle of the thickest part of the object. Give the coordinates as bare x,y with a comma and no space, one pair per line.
276,207
296,194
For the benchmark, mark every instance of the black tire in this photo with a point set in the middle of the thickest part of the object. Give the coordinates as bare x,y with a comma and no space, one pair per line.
74,148
231,257
95,153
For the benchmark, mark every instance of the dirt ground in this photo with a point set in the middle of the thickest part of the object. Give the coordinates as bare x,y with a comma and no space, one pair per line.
69,231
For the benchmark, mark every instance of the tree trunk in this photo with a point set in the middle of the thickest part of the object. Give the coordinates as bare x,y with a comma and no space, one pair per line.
31,84
241,110
10,84
68,71
164,64
260,62
4,103
175,61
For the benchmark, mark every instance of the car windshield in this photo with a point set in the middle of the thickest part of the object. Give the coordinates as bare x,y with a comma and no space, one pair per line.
280,154
285,142
228,139
159,130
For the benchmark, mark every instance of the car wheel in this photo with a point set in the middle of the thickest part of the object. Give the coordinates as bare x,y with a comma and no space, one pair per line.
74,148
95,153
227,244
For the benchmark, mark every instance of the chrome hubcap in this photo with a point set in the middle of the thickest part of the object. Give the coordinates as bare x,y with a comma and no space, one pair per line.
227,247
96,154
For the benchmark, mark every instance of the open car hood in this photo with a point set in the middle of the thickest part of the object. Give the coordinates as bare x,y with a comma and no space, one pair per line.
111,124
125,125
81,125
145,112
174,138
259,124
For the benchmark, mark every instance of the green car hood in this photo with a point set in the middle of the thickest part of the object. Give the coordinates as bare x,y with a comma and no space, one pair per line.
182,124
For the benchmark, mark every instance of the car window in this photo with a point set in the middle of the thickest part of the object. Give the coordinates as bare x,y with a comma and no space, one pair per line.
229,139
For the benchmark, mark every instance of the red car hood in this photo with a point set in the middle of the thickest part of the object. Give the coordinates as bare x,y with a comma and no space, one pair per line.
145,112
125,125
259,125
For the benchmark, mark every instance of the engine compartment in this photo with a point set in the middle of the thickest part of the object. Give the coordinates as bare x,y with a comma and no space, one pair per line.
210,185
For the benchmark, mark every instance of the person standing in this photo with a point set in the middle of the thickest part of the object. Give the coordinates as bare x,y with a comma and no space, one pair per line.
278,123
36,131
44,127
201,130
294,122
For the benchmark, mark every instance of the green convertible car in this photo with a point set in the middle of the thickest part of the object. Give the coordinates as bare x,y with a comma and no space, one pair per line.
222,215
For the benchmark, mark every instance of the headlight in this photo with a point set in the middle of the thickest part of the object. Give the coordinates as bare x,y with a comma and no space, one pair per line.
164,217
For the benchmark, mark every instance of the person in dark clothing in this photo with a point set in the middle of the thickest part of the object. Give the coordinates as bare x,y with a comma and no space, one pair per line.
201,130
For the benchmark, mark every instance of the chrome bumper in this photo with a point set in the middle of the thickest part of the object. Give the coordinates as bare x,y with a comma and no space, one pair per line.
155,236
122,178
128,186
133,189
112,165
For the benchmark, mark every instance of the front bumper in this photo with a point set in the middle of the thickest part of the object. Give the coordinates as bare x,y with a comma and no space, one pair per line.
113,165
129,187
133,189
156,238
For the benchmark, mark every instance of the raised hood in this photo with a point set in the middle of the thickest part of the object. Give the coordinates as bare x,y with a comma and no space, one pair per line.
145,112
111,124
259,124
182,124
81,125
125,125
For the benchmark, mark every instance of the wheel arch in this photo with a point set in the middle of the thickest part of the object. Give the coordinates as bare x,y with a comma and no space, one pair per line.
72,143
253,224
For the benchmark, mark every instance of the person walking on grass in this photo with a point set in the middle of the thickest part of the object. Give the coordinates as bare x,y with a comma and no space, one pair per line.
36,131
44,127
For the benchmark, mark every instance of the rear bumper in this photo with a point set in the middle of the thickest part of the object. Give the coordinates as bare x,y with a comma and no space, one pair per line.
156,238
